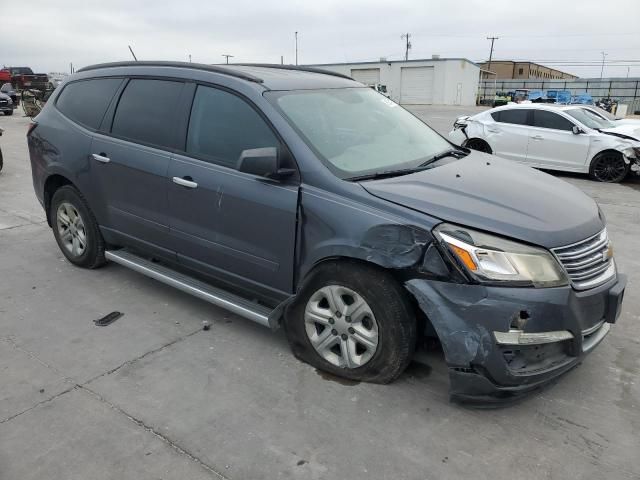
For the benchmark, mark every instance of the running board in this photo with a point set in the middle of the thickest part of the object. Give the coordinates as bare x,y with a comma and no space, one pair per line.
221,298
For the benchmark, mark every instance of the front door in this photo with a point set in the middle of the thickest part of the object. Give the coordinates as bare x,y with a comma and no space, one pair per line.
552,143
226,223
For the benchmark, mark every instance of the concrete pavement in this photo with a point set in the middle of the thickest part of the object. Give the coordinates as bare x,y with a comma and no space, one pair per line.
154,396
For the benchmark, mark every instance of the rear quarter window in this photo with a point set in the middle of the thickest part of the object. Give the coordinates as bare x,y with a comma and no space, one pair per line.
86,101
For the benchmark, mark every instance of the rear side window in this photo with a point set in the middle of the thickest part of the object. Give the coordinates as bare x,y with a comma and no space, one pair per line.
146,112
517,116
222,125
86,101
544,119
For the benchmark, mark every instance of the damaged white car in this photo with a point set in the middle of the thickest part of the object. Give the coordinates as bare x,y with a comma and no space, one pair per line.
567,138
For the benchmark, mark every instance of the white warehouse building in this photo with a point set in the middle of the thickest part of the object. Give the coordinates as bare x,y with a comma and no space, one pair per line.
437,81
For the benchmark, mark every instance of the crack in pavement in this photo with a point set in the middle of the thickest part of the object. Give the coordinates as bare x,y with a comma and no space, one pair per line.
153,431
116,408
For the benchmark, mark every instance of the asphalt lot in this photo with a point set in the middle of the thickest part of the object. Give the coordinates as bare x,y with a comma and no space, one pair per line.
154,396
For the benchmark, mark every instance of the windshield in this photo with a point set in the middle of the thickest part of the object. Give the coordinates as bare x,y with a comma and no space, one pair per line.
589,118
357,131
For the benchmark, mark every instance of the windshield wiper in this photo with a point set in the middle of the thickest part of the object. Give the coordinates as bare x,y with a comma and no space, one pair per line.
454,152
405,171
386,174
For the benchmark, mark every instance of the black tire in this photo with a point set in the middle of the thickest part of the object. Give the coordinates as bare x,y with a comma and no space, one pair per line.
478,144
608,167
389,303
8,112
93,253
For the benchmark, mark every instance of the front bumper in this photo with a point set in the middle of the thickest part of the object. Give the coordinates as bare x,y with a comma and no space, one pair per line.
478,327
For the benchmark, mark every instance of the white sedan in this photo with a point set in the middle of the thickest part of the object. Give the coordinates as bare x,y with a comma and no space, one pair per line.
568,138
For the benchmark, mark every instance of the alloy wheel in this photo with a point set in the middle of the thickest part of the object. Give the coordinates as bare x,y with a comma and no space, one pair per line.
609,168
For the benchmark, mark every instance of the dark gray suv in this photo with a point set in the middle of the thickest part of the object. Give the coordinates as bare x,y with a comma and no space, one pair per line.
302,198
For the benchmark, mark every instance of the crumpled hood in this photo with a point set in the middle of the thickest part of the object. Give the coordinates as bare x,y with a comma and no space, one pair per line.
496,195
628,130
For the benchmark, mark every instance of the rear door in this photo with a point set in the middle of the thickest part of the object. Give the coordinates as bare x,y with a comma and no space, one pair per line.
130,161
509,135
225,223
552,143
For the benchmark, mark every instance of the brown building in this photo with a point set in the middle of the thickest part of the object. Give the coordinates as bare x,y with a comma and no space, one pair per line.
507,69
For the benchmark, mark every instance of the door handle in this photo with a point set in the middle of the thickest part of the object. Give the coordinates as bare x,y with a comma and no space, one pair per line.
185,182
538,137
100,157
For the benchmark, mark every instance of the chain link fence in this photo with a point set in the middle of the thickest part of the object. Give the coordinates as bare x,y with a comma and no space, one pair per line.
623,90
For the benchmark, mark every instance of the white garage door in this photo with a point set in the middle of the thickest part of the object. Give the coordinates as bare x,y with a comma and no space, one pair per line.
416,85
368,76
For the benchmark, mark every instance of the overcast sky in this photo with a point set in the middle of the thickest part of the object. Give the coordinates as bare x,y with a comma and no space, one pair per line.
50,34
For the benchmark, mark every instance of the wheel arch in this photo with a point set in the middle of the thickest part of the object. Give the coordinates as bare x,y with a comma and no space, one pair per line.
51,185
478,139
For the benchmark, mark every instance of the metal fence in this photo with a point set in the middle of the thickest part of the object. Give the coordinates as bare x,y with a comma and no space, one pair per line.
624,90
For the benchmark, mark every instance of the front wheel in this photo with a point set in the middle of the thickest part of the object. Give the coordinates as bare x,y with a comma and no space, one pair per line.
354,321
609,167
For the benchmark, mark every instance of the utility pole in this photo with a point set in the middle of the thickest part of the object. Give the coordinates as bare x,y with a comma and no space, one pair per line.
407,47
281,59
602,69
227,57
131,50
296,35
189,58
493,39
628,69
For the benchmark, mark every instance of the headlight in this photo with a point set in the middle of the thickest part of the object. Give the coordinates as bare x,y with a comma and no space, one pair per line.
492,259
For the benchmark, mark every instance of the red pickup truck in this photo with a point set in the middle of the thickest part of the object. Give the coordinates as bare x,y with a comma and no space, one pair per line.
23,78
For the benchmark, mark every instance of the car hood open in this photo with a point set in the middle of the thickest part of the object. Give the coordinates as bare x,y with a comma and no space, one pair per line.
496,195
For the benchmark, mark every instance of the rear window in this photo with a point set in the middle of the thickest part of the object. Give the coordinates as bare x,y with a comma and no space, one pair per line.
544,119
517,116
86,101
146,112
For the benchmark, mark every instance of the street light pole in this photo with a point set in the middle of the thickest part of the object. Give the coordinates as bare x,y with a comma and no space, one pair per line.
296,35
227,57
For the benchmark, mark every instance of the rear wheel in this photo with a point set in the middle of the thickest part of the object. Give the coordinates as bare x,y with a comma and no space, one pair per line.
8,112
609,167
478,144
353,321
75,228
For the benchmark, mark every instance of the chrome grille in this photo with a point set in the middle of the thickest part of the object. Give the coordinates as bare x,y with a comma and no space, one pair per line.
587,263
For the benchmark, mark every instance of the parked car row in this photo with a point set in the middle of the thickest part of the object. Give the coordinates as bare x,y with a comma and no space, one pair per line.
572,138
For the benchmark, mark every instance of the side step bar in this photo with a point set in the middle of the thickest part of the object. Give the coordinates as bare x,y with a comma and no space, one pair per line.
221,298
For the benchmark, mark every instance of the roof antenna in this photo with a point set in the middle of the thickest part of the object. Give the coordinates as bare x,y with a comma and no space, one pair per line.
131,50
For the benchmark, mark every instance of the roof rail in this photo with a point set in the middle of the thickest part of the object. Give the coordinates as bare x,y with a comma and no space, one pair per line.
294,67
195,66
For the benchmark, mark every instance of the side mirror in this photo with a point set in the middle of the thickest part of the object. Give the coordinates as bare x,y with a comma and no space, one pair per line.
263,162
577,130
